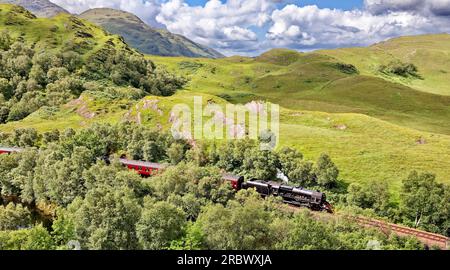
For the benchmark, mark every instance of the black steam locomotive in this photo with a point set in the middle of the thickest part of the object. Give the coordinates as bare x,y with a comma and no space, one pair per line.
296,196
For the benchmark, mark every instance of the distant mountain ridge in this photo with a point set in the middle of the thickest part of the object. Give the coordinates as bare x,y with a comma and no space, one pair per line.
40,8
145,38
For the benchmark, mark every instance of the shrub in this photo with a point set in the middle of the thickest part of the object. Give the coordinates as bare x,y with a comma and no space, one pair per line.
400,69
346,68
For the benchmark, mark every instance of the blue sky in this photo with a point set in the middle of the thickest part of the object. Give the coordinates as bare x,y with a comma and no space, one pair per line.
250,27
341,4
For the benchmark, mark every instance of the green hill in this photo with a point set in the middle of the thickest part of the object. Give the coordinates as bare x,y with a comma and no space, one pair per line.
429,53
283,57
40,8
145,38
376,126
315,82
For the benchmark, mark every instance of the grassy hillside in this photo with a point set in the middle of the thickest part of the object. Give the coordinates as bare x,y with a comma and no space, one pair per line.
430,53
145,38
363,147
314,82
375,127
40,8
63,31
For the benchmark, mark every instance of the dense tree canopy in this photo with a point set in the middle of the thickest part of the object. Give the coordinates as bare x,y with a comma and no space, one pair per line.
106,218
159,225
102,205
13,217
295,168
239,225
374,195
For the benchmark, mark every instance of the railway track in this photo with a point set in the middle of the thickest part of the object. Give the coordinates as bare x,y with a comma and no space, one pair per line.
428,239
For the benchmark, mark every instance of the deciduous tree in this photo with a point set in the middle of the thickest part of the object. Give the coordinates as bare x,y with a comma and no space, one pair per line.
159,225
326,171
106,218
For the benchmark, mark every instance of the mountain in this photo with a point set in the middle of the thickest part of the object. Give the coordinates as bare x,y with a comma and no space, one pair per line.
40,8
146,39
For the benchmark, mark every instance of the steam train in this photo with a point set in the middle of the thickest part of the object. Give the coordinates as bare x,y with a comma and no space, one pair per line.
295,196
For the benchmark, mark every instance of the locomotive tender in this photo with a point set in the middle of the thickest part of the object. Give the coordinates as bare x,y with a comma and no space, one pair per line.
295,196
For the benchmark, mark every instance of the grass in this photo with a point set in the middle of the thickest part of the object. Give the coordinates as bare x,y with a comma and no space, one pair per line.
386,120
314,82
368,149
430,53
365,149
105,109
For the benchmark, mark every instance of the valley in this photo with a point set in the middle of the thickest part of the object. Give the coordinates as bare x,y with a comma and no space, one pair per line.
363,131
375,128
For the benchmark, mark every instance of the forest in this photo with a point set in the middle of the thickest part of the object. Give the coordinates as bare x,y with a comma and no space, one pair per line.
61,189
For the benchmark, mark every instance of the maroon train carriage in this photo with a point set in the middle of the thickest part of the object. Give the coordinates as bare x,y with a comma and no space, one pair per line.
235,180
9,150
142,167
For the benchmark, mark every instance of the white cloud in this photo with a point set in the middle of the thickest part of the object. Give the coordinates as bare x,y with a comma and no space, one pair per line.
381,6
310,26
251,26
221,25
428,7
238,33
